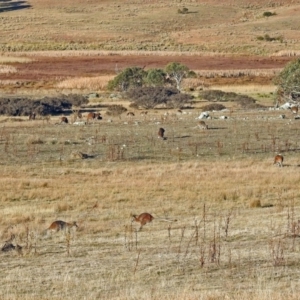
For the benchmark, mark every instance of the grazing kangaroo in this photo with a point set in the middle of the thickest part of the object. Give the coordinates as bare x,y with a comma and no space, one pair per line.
61,226
294,109
161,133
145,218
278,160
202,125
64,120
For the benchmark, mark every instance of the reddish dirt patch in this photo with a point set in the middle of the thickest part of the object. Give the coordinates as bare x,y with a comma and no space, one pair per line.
54,68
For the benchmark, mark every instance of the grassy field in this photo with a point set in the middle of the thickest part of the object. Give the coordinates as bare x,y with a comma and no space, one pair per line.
237,229
208,26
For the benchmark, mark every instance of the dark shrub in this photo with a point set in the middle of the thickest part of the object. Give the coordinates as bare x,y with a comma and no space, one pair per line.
244,101
45,106
217,96
213,106
150,97
268,14
115,110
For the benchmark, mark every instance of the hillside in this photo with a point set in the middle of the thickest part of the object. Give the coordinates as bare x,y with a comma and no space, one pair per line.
209,26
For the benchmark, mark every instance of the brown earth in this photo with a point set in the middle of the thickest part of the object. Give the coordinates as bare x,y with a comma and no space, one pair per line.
54,68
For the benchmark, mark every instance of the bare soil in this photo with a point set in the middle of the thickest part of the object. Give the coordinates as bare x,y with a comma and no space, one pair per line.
47,68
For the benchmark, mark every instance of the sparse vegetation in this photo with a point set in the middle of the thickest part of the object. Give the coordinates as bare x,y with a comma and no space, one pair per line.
226,244
268,38
217,229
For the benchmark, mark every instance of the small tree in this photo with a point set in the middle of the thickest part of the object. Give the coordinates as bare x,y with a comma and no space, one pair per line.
155,77
130,77
288,81
177,72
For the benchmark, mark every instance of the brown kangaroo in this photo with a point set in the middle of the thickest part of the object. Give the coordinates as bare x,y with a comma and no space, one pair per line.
202,125
61,225
145,218
278,160
161,133
64,120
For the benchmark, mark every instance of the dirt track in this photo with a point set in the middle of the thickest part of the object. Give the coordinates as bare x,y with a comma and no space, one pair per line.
51,68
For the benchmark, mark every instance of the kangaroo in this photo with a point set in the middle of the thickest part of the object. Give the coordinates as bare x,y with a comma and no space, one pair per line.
294,109
202,125
278,160
61,226
64,120
161,133
145,218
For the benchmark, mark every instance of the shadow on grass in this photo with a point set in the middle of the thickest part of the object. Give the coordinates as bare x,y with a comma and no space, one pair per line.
8,5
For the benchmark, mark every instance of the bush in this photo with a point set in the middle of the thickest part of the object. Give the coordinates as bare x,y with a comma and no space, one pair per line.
217,96
130,77
247,102
115,110
45,106
244,101
268,14
268,38
150,97
213,106
288,82
184,10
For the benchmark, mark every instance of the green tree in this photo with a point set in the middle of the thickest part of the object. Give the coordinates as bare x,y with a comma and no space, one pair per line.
130,77
155,77
176,73
288,81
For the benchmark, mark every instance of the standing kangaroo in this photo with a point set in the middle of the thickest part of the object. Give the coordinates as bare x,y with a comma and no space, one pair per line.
278,160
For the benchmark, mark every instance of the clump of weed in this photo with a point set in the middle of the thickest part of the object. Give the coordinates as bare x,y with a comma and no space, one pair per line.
33,140
184,10
268,38
269,14
255,203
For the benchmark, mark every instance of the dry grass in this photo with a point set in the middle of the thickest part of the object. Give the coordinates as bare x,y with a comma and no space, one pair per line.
210,26
218,248
7,69
98,83
8,59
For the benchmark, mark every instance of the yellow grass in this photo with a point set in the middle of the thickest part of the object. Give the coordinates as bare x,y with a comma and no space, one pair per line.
210,26
86,83
8,59
7,69
246,89
237,73
220,247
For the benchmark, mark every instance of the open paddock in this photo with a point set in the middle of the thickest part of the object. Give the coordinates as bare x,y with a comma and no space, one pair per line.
237,229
